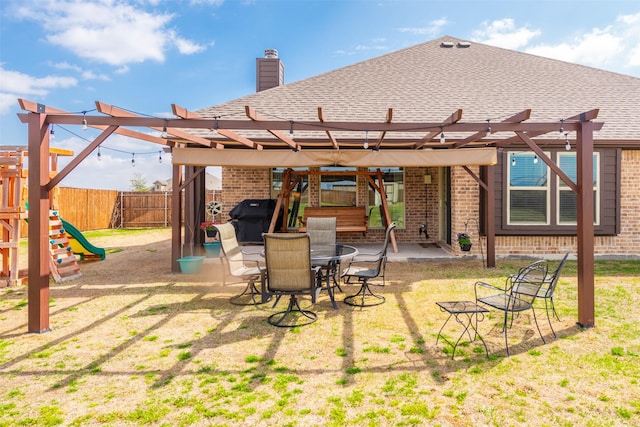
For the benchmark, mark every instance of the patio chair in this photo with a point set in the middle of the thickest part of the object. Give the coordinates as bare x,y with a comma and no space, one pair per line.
518,295
289,272
322,231
364,268
240,267
547,290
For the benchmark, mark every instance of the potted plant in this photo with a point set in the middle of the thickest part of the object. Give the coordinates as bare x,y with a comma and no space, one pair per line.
464,240
209,229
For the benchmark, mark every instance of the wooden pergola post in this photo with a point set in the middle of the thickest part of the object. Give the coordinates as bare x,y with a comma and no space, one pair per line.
585,232
38,238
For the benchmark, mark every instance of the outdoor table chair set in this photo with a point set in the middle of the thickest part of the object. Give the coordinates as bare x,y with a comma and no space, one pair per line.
297,264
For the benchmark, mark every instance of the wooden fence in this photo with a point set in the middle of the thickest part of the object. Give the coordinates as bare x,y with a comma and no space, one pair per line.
91,209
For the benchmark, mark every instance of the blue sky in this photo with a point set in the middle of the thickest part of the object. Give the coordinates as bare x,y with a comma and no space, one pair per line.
144,55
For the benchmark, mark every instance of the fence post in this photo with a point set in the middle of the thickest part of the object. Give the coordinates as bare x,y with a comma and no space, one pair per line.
165,209
121,209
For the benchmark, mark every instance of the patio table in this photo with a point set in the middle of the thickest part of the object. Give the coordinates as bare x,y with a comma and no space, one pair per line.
465,312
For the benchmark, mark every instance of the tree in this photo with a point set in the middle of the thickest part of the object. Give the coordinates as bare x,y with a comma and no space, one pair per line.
139,183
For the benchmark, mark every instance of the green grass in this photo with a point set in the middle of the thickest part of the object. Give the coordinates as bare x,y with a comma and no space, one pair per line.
174,352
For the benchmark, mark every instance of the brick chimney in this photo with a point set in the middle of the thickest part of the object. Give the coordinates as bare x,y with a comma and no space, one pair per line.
269,71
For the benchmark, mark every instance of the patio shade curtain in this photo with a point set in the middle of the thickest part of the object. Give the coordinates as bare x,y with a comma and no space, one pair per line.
354,158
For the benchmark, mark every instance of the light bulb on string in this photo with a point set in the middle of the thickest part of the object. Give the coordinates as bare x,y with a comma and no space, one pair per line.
366,140
291,128
99,155
52,133
535,158
567,144
133,160
513,160
84,120
561,126
442,138
164,130
488,125
160,156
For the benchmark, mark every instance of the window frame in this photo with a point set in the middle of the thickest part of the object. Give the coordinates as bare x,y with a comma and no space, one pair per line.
608,196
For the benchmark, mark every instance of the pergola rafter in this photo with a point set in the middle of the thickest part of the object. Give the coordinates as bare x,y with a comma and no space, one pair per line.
183,113
319,134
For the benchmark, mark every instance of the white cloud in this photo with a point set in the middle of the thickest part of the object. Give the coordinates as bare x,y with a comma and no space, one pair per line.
108,31
186,47
7,102
14,84
504,33
66,66
433,28
615,47
90,75
207,2
599,47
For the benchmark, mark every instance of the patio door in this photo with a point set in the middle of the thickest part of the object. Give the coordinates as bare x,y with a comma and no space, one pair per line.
444,204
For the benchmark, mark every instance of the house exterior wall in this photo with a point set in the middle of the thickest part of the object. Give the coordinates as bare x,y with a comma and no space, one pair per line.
465,195
240,184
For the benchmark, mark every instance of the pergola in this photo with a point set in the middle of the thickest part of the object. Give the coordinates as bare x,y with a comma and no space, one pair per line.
197,142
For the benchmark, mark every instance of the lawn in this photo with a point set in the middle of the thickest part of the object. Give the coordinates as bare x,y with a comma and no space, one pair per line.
133,344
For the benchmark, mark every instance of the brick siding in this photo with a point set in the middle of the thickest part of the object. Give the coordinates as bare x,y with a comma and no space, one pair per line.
240,183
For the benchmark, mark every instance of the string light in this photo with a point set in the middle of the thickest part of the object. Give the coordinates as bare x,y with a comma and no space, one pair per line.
488,125
133,160
513,160
84,120
99,155
164,130
561,126
52,133
535,158
366,140
291,128
160,156
567,144
442,138
215,126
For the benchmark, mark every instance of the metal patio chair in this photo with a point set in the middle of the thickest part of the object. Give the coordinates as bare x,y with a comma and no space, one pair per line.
517,296
547,290
364,268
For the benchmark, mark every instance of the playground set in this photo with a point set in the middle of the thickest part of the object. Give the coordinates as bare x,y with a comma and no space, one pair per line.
65,241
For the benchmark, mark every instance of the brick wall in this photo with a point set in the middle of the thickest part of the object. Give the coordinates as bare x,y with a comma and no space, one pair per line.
239,184
626,243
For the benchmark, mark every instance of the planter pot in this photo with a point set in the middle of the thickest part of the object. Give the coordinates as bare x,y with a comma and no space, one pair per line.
211,233
466,248
191,264
212,249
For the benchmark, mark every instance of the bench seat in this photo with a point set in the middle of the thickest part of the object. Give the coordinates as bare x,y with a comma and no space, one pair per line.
348,218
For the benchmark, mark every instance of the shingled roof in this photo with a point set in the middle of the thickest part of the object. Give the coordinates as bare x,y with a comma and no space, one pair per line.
429,81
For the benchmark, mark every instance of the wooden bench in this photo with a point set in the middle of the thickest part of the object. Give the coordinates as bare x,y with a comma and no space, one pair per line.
348,218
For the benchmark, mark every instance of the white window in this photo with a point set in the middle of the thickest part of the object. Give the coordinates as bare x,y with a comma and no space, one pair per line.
566,198
528,190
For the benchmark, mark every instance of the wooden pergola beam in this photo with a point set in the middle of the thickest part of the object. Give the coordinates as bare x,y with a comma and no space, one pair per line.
183,113
118,112
34,107
329,134
256,117
517,118
384,133
455,117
